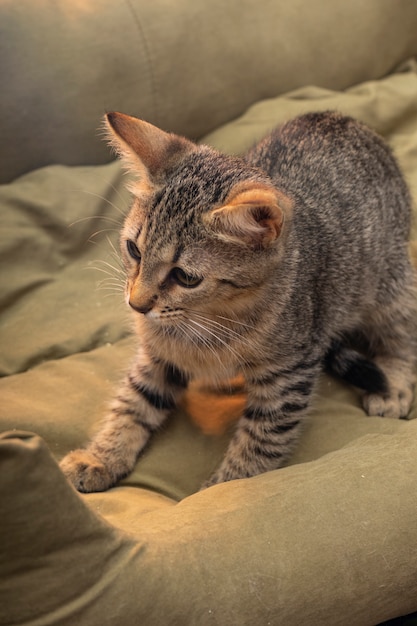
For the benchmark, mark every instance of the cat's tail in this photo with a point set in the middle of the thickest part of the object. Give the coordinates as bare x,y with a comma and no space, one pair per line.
355,368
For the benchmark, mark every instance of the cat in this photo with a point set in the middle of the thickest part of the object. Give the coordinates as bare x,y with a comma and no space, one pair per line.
274,265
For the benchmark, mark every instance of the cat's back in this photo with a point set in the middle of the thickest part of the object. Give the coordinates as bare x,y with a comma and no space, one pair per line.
336,165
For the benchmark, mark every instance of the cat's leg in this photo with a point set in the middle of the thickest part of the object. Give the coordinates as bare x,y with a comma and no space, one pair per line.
391,332
267,432
148,394
353,367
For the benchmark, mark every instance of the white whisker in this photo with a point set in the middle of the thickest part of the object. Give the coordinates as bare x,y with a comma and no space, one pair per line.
107,266
115,253
109,202
105,218
112,279
187,330
112,295
100,232
235,321
201,340
107,282
227,333
111,290
115,288
219,331
225,330
105,180
219,339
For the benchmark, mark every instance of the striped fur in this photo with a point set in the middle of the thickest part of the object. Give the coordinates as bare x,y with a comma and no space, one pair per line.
270,266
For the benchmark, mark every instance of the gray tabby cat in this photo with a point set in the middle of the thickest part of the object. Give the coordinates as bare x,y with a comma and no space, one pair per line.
273,265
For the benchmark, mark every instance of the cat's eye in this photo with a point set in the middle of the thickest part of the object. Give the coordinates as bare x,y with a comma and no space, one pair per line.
185,280
133,250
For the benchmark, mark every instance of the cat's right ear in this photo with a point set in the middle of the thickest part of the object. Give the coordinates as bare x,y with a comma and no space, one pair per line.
144,148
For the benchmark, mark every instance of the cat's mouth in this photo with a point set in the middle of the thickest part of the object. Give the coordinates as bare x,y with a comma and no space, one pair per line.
152,315
166,320
166,314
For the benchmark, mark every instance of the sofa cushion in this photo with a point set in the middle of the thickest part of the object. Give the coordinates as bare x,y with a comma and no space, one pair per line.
186,66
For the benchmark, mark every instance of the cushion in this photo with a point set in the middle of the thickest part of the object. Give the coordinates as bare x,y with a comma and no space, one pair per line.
185,66
329,539
327,542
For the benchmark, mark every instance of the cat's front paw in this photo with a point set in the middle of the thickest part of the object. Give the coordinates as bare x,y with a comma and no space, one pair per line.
86,472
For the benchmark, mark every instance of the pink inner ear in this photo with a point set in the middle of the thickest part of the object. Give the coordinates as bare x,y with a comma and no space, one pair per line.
252,216
270,218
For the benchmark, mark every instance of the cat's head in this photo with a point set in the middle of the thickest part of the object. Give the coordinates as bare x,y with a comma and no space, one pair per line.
204,230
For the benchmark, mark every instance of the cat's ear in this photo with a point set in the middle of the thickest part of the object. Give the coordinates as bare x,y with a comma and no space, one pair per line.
144,148
253,214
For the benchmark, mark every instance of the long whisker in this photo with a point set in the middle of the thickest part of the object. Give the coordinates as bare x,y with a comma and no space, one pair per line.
100,232
188,329
112,295
111,282
105,180
109,275
107,265
112,288
219,339
112,291
113,247
227,332
122,198
235,321
109,202
106,218
116,255
227,319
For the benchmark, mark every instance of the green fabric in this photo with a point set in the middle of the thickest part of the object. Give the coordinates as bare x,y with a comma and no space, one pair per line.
331,539
54,228
187,66
283,548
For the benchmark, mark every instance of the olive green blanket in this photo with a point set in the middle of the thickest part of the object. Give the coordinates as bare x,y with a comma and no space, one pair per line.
330,539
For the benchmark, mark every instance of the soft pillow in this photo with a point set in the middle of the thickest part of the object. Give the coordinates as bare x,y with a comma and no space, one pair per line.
328,542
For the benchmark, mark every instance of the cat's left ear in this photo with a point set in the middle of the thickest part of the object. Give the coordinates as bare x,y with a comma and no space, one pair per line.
253,214
145,149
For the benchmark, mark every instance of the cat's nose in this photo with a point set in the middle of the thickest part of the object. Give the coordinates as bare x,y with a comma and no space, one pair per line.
143,307
141,297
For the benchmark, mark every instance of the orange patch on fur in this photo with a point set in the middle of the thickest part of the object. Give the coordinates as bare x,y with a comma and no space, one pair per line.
214,411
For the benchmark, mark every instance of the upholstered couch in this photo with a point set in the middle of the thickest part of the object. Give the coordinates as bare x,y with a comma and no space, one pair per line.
329,540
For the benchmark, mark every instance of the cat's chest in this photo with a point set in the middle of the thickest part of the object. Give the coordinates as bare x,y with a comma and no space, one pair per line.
200,357
210,362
